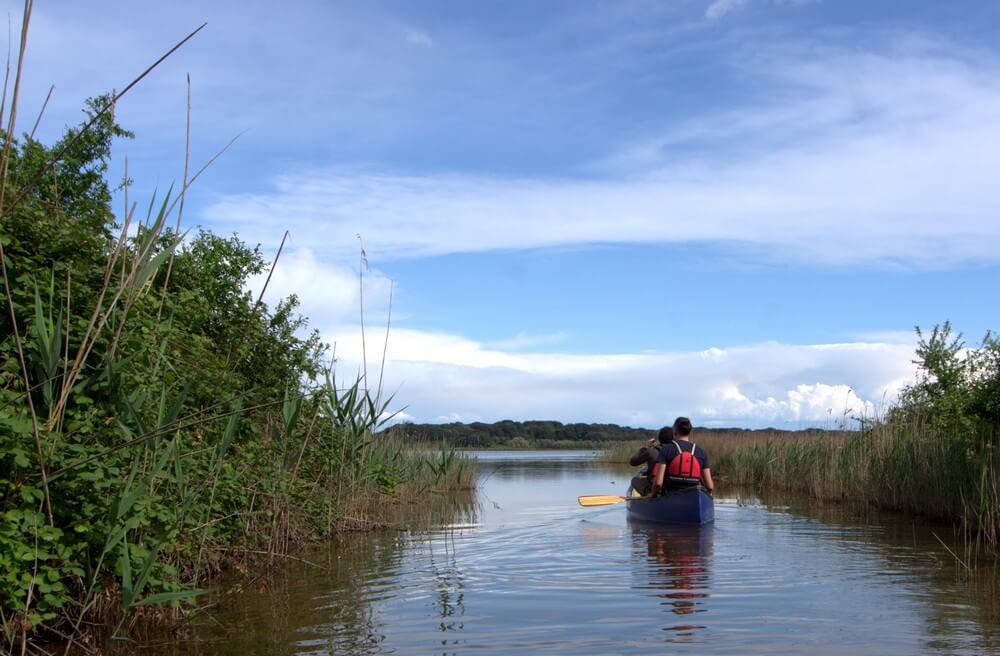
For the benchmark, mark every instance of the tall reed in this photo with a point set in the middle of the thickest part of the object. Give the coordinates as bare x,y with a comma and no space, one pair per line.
158,427
902,463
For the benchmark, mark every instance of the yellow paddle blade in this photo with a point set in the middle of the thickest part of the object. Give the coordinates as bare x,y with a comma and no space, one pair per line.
599,500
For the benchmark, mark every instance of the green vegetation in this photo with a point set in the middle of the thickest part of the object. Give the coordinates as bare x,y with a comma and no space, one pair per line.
934,454
537,434
520,434
728,440
155,420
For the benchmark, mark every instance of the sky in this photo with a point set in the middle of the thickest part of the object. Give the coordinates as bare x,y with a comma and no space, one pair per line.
732,210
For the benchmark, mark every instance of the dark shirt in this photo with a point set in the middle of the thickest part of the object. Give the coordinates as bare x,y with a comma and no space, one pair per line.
646,456
668,452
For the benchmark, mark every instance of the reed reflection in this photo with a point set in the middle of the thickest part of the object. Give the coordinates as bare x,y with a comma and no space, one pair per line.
449,584
677,560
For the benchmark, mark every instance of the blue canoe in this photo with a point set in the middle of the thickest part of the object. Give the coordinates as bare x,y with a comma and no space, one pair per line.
690,506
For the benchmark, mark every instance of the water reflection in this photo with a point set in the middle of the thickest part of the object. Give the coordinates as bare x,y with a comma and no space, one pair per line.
677,562
959,607
532,572
547,468
449,583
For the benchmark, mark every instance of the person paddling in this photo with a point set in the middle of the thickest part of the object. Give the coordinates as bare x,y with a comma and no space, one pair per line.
648,455
682,463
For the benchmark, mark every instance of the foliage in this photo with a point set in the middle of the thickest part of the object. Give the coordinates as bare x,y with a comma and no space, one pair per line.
958,389
534,434
167,417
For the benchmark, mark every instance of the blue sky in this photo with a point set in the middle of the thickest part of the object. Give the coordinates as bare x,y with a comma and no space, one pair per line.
735,210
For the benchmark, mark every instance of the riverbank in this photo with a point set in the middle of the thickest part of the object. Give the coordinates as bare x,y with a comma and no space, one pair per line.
158,423
530,571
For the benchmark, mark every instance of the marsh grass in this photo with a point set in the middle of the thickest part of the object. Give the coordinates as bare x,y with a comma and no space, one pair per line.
901,463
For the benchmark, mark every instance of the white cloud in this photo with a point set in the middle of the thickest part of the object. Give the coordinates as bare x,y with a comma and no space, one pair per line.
450,378
329,292
720,8
418,38
523,340
885,158
836,404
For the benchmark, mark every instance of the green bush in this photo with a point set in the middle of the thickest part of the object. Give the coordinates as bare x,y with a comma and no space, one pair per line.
166,416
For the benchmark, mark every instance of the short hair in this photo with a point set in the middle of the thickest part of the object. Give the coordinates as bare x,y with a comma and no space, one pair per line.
682,426
665,435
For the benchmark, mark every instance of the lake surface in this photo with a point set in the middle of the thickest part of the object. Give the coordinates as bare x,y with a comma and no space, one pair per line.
526,570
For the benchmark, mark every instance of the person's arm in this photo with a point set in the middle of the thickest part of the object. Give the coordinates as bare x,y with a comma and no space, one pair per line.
706,477
660,469
639,458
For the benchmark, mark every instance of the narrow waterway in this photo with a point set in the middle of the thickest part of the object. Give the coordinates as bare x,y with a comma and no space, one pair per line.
526,570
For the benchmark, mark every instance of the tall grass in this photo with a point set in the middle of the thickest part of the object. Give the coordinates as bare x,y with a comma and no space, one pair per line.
156,427
903,463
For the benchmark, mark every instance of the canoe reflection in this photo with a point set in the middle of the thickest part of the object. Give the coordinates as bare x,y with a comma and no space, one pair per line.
677,568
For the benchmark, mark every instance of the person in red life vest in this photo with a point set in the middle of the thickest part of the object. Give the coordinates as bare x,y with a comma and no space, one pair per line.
682,462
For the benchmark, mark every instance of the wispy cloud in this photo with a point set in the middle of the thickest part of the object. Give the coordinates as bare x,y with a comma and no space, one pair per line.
524,340
418,37
720,8
869,157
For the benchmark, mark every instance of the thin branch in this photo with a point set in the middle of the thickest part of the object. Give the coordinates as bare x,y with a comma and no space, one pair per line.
163,430
86,128
267,553
362,265
274,264
4,168
180,197
180,210
45,104
260,299
6,77
385,349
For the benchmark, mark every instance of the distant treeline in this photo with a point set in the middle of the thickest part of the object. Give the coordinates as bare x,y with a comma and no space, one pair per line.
543,434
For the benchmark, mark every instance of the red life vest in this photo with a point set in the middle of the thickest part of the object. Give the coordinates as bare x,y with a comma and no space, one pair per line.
684,468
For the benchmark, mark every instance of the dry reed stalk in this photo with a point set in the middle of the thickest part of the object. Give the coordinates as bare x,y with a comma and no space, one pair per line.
184,186
4,169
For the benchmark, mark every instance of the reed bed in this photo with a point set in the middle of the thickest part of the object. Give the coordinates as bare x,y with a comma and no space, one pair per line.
902,463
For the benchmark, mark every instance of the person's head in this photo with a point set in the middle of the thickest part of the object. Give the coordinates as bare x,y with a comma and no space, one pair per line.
682,427
665,435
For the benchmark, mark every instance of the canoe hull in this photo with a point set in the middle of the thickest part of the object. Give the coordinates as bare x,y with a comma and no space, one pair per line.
692,506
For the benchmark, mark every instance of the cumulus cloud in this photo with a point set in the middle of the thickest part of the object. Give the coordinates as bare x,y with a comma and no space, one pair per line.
806,402
450,378
329,292
868,158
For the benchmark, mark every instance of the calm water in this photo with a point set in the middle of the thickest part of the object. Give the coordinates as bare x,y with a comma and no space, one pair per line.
528,571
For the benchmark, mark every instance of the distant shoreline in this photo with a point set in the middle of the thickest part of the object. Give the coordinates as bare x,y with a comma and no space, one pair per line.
554,435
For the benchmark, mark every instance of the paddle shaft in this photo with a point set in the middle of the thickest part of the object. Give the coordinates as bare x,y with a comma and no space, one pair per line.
591,500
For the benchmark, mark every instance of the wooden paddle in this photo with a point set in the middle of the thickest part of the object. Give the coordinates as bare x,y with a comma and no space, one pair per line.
603,500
